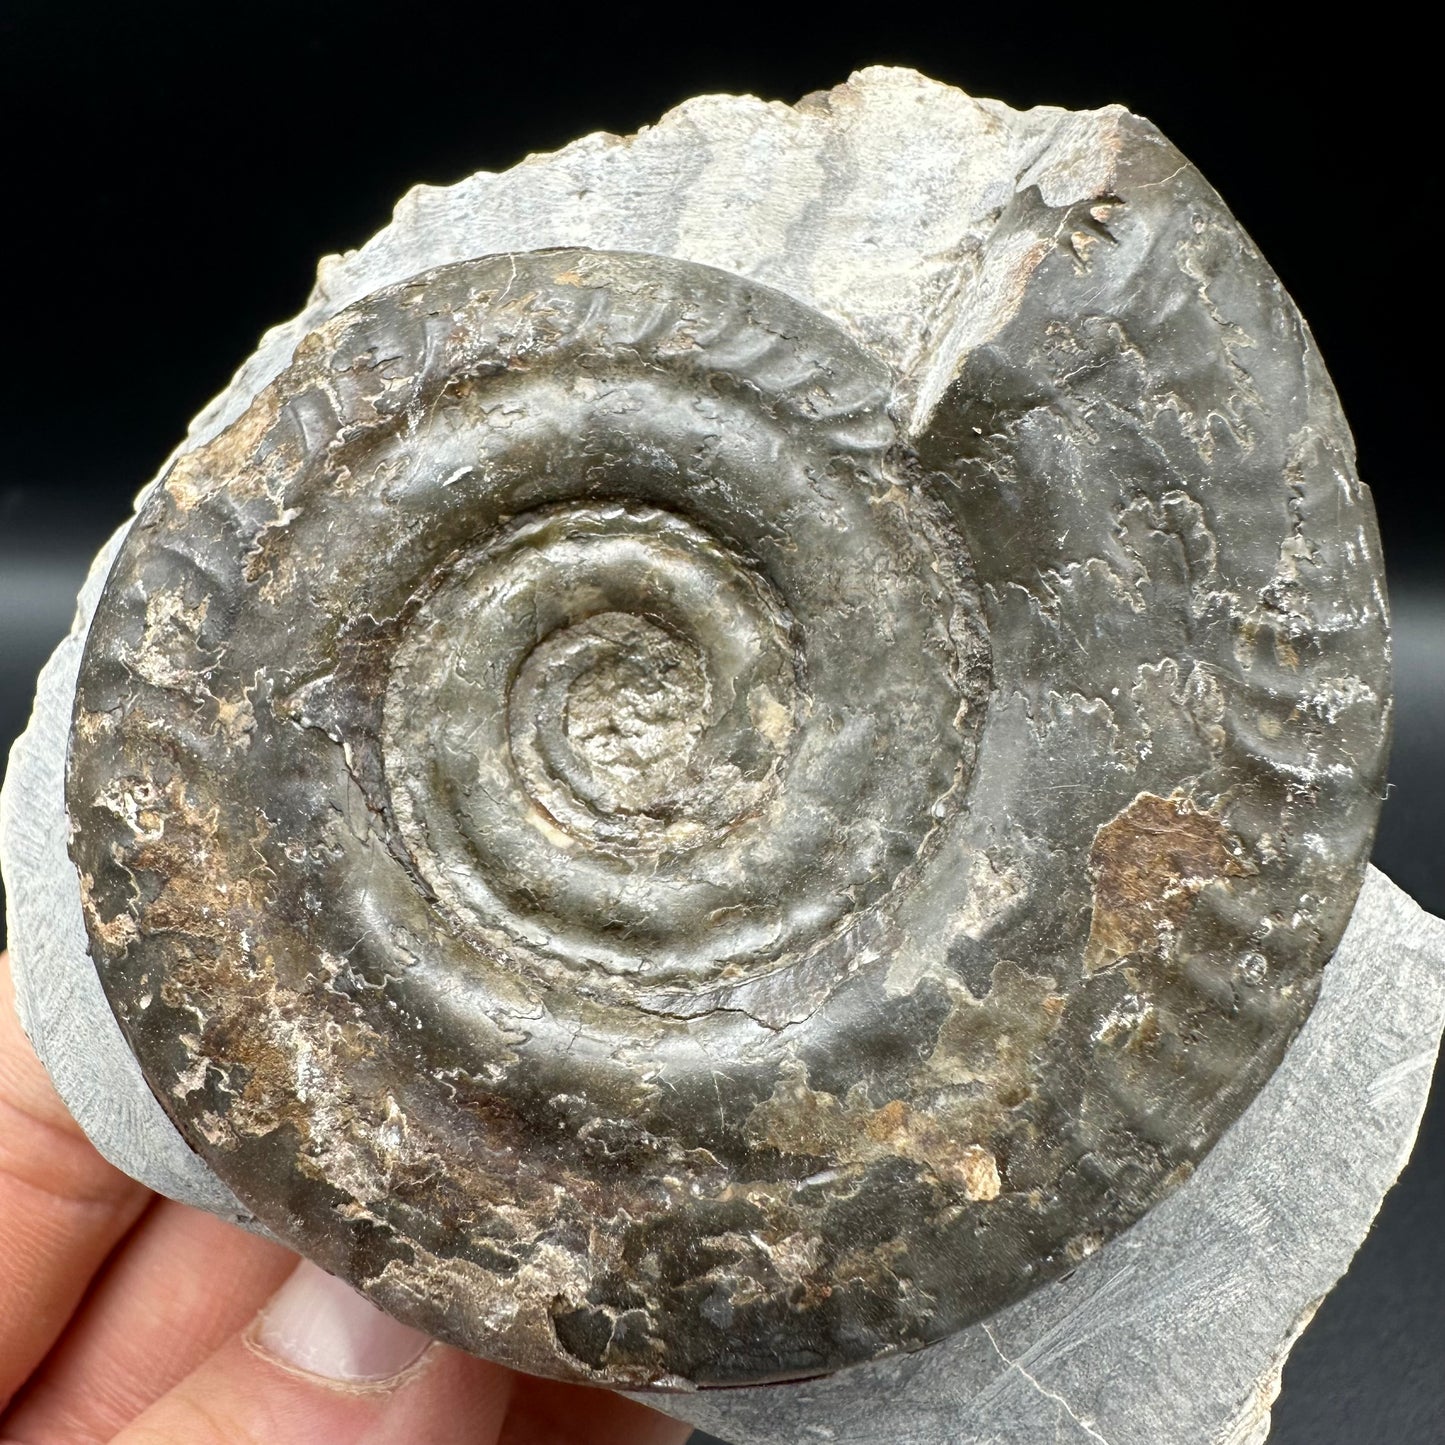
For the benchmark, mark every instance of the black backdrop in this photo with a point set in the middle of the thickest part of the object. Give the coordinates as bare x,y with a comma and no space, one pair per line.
172,171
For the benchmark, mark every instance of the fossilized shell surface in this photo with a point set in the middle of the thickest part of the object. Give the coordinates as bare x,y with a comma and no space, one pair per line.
678,829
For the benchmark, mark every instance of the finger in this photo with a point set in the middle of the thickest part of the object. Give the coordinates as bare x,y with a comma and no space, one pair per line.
322,1366
180,1285
546,1413
62,1207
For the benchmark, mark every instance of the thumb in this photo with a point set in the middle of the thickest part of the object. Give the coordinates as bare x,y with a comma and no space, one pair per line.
321,1365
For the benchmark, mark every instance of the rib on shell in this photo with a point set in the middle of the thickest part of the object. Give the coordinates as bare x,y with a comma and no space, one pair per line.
700,818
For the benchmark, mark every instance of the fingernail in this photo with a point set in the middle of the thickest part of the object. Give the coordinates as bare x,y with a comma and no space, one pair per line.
318,1324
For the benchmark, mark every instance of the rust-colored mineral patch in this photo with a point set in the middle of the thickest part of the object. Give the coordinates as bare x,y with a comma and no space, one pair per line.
1149,863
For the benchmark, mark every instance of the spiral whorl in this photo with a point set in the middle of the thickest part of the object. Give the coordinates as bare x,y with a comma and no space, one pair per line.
674,838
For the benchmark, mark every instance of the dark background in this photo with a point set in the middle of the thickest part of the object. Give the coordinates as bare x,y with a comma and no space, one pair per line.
172,172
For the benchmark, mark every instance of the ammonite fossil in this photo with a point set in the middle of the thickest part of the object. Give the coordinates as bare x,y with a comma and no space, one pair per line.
700,803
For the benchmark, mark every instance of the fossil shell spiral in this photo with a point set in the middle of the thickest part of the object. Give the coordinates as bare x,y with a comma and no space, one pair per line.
674,841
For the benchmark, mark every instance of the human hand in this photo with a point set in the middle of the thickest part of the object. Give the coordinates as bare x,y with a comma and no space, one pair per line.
131,1319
